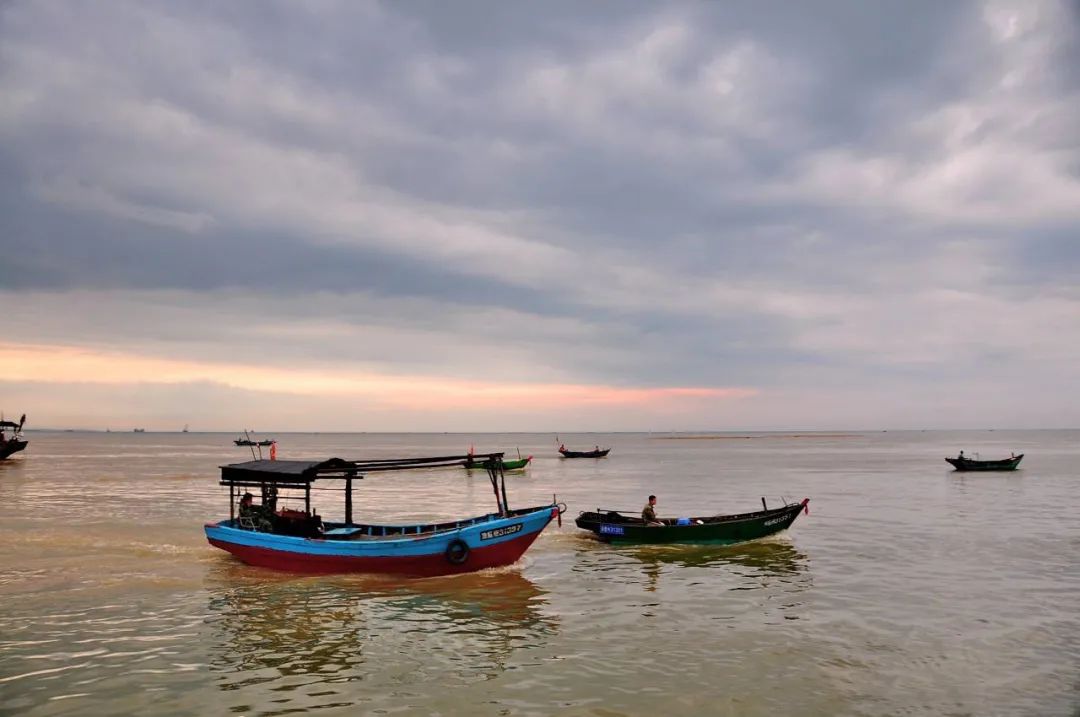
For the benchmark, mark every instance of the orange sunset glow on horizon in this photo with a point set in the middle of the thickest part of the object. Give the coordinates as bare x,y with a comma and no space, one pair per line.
76,365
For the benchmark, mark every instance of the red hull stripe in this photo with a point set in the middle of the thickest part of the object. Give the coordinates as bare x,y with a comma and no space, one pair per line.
491,556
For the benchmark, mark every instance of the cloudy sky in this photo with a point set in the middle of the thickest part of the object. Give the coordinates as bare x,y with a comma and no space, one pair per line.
558,216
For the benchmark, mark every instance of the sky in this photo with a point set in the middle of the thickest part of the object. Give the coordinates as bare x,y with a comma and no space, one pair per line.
482,216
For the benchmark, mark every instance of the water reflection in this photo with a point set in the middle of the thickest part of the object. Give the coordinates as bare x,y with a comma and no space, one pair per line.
765,557
759,562
775,556
304,637
748,565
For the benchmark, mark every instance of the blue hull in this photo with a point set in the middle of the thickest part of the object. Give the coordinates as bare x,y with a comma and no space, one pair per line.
473,544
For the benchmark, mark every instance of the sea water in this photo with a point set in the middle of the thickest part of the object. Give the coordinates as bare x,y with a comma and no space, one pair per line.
908,589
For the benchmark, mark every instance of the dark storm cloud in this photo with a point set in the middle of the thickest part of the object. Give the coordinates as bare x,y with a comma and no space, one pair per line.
60,250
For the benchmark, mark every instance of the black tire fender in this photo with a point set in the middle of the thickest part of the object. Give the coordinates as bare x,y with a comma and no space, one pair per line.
457,552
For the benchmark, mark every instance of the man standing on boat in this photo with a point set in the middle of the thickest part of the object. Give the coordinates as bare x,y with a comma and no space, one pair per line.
648,513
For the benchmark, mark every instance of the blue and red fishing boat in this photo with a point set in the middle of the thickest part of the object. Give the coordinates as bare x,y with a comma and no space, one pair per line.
298,540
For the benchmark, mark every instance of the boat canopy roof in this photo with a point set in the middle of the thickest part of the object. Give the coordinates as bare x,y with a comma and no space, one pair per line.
301,474
8,424
304,472
264,471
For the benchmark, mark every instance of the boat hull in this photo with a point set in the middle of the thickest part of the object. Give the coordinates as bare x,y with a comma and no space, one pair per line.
586,454
491,543
510,465
12,447
725,531
967,464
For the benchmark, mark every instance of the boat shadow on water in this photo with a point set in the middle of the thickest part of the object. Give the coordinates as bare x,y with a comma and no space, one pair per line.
342,627
773,556
759,561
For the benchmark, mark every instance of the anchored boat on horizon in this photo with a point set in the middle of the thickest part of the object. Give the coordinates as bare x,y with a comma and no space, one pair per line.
963,463
473,461
597,452
247,440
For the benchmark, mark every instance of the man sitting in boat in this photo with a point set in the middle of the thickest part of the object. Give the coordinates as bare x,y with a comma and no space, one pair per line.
648,513
256,515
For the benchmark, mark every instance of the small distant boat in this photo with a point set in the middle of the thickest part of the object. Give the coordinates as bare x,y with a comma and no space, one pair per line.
185,429
14,443
247,440
596,453
613,526
512,464
139,430
299,541
962,463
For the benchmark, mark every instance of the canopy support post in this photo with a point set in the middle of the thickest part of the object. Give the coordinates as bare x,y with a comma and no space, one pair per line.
489,466
505,503
348,500
307,498
232,502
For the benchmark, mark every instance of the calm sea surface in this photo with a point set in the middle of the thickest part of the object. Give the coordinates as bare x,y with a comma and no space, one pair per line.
909,589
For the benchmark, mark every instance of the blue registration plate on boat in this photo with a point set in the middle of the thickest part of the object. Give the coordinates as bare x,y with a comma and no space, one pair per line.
612,529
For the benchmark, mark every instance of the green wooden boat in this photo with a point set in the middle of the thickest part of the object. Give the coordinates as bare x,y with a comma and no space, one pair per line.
508,465
612,526
970,464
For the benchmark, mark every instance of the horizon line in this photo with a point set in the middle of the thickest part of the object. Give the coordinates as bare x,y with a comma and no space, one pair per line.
566,432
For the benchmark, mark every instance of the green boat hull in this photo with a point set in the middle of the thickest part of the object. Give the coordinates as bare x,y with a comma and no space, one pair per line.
510,465
970,464
619,529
